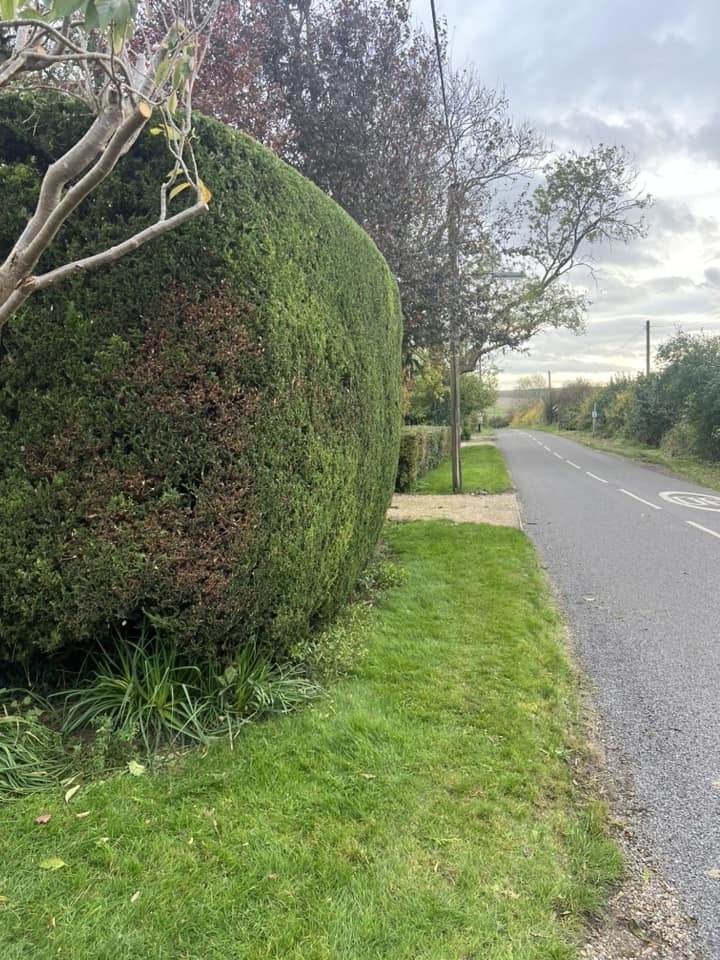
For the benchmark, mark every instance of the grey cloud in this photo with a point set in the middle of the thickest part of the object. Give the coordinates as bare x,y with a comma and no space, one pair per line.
706,141
656,297
646,141
613,54
642,74
669,215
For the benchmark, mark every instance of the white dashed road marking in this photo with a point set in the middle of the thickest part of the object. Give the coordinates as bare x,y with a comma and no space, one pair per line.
595,477
571,464
713,533
635,497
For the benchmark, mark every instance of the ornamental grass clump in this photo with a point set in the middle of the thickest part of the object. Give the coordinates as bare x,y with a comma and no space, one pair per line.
31,751
145,694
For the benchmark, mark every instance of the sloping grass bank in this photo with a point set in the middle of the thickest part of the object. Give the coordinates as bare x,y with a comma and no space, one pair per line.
427,811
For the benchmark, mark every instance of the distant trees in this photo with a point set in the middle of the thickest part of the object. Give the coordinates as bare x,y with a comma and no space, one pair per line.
429,392
677,407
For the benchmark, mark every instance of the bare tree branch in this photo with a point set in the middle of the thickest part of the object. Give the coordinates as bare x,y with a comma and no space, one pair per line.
121,85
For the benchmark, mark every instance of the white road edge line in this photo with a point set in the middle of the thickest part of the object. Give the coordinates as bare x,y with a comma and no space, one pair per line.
595,477
635,497
713,533
573,464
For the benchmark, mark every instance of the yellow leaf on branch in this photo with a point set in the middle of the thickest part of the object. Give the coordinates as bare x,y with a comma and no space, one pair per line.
178,189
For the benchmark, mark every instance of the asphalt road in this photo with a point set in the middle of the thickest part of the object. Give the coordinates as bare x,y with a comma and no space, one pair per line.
635,557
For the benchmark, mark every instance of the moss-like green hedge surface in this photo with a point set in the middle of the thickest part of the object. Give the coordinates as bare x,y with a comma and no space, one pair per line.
206,433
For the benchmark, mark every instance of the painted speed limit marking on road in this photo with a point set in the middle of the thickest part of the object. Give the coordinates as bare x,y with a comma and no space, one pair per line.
698,501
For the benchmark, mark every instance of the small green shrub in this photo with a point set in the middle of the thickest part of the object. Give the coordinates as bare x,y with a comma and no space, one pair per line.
144,691
339,649
252,687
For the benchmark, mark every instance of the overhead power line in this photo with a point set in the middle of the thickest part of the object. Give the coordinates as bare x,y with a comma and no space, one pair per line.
438,52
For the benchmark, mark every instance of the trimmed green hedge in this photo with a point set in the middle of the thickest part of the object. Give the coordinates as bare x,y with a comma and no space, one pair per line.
204,435
421,449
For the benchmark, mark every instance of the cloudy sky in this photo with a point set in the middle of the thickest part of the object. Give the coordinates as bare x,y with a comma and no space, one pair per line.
644,74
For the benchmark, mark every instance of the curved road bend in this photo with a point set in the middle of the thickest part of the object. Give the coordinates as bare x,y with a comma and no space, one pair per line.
635,557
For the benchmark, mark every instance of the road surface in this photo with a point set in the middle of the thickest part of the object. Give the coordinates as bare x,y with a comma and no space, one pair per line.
635,557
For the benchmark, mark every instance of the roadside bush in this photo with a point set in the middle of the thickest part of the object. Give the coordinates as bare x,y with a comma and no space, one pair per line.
530,416
203,436
611,411
421,449
620,413
499,420
649,417
570,400
690,383
680,440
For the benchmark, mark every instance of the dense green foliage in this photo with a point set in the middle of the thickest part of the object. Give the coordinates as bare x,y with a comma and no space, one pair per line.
427,387
677,408
421,449
203,436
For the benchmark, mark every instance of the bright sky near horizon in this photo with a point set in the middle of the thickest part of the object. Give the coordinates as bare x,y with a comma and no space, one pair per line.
641,73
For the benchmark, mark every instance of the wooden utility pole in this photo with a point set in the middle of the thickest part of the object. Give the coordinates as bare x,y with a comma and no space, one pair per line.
550,403
647,348
453,249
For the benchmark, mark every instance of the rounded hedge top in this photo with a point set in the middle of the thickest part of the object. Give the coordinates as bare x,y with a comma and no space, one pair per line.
205,434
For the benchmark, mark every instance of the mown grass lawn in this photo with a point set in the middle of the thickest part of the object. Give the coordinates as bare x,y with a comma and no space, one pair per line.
483,471
427,810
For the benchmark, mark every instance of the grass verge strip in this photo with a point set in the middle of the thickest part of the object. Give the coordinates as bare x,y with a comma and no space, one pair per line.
483,471
429,811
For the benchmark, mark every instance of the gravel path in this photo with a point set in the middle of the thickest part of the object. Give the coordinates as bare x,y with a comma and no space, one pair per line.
499,509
